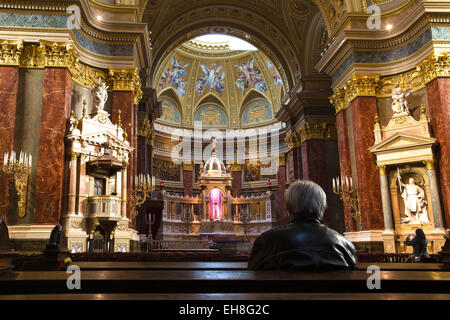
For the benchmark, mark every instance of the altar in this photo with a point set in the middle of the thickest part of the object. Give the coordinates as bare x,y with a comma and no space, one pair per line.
214,214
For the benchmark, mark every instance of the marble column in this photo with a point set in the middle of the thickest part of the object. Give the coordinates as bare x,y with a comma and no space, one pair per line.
297,154
188,184
56,102
9,79
434,193
236,182
283,215
363,111
124,193
73,184
320,164
124,101
438,95
345,163
386,199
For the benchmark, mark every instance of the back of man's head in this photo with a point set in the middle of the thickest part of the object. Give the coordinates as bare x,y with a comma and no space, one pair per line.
306,199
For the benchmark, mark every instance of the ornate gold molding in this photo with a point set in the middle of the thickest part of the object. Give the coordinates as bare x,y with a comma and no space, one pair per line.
382,170
321,131
188,167
282,159
408,80
126,80
48,54
430,164
236,167
359,85
338,100
293,140
10,52
145,130
434,67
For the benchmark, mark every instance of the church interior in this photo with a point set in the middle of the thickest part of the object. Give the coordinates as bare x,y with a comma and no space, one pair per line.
151,140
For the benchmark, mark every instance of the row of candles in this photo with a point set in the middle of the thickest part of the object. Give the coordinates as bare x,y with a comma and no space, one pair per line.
342,182
25,159
145,179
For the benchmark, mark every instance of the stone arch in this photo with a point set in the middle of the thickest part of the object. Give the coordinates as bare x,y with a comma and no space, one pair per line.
213,99
234,21
170,95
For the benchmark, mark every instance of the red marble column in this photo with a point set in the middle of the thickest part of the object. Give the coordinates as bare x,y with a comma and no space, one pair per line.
363,114
314,168
188,182
9,80
344,162
438,93
56,103
124,101
236,183
297,153
283,216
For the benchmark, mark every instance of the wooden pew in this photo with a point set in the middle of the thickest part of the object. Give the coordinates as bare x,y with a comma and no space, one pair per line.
188,265
222,282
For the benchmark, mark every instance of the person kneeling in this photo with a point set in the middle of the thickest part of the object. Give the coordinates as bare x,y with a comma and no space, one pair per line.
305,244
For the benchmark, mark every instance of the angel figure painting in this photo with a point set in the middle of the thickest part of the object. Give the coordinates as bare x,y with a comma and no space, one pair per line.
175,77
249,76
211,78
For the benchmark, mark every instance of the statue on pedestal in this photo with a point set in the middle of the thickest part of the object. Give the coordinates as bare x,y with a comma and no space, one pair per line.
399,103
415,203
100,94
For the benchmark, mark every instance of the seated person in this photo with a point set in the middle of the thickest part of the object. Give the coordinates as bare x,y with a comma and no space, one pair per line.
419,244
305,244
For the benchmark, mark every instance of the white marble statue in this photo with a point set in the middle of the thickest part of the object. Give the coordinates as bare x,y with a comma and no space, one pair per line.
415,203
100,94
399,103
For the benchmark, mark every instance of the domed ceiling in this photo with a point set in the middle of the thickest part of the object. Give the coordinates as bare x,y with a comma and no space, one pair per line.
217,85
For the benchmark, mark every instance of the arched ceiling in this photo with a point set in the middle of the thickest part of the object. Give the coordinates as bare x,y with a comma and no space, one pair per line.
279,28
200,80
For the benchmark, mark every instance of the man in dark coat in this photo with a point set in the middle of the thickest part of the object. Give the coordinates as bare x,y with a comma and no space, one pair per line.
305,244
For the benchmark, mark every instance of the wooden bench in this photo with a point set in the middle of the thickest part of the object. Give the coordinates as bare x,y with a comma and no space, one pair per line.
222,282
188,265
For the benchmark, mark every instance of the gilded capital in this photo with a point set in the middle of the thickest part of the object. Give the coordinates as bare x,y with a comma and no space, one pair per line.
318,131
145,130
126,80
188,167
430,164
361,85
282,160
236,167
10,52
293,140
338,100
382,170
435,66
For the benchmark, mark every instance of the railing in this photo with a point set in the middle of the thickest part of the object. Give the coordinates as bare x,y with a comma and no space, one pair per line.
104,207
177,244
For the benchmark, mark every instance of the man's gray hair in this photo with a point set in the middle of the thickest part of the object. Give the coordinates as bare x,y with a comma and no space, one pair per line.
306,199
